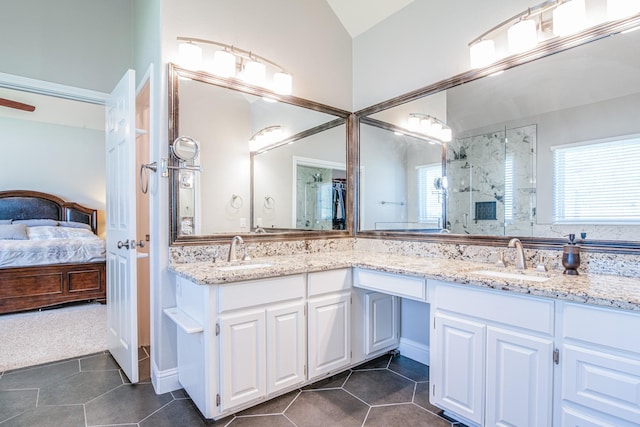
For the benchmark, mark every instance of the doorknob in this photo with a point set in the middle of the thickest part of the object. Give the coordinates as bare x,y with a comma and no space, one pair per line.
124,244
140,244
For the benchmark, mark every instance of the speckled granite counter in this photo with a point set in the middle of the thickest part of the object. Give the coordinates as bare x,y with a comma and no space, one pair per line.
604,290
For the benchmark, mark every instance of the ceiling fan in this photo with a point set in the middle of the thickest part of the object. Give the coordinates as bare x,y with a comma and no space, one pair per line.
4,102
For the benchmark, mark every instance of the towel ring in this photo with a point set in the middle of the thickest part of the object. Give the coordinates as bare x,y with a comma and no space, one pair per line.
236,201
269,202
144,184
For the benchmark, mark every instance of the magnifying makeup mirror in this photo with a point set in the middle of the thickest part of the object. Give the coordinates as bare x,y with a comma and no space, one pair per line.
185,148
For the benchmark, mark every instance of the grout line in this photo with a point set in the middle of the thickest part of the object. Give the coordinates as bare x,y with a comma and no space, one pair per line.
366,416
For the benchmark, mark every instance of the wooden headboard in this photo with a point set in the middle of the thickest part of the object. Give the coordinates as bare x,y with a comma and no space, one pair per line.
24,204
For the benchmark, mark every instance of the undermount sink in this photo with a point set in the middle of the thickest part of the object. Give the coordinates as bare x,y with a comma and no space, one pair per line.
243,267
514,276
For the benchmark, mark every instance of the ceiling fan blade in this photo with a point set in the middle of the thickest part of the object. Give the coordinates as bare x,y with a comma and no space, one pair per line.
17,105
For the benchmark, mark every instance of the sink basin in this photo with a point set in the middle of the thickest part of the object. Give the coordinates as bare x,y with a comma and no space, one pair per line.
243,267
514,276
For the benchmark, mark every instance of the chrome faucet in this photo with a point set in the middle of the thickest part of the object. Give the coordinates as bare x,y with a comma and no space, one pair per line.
232,248
520,263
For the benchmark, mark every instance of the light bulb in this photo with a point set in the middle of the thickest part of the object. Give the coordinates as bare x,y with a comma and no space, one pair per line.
569,18
522,36
224,64
190,55
282,83
425,125
619,9
446,135
413,123
482,53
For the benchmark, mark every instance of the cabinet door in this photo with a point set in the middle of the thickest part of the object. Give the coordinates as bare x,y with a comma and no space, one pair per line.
519,379
328,333
457,367
242,357
381,322
286,346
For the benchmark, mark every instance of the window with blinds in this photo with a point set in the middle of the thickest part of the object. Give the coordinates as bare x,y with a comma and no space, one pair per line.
597,182
429,199
508,188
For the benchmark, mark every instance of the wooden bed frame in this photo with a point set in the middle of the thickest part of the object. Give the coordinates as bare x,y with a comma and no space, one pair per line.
29,288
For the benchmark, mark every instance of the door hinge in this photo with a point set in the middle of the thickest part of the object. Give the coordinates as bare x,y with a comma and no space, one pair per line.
217,329
556,356
434,323
305,310
218,399
433,390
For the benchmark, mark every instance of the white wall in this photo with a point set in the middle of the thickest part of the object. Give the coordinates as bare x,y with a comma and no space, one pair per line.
78,43
61,160
421,44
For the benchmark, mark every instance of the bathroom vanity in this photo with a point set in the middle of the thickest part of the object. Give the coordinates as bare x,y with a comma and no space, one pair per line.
506,347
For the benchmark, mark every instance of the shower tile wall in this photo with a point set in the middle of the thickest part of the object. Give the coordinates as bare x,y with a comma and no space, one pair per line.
493,167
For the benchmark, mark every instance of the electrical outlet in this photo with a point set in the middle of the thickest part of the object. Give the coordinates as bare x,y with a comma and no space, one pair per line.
259,222
243,222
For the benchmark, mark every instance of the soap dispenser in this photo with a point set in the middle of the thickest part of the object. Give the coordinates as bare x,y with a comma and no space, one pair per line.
571,256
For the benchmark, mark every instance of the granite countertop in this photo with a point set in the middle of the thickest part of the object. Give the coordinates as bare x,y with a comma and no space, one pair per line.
603,290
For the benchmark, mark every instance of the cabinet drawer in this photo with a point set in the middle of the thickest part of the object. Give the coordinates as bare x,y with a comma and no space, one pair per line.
260,292
532,313
603,326
324,282
605,382
394,284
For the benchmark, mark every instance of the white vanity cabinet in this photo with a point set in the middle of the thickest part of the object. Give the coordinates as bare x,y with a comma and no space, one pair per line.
262,335
600,361
329,321
491,355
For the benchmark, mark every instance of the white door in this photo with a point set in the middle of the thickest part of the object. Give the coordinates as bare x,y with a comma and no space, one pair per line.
457,366
519,379
382,322
329,338
242,357
286,349
122,319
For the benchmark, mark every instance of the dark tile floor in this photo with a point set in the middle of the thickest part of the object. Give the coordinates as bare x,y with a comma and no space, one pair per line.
92,391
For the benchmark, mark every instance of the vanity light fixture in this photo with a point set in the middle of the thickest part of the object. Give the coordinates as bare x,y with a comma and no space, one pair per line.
231,61
549,19
266,137
429,126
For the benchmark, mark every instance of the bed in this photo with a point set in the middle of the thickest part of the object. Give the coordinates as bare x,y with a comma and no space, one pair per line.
50,253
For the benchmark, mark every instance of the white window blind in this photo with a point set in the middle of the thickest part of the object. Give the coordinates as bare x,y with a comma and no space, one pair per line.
429,199
508,188
597,182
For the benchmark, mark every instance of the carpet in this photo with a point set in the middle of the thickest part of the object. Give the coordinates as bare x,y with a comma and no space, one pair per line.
35,337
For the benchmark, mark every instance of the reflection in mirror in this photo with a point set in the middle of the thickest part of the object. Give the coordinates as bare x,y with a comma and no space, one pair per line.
302,185
398,173
185,148
231,124
506,129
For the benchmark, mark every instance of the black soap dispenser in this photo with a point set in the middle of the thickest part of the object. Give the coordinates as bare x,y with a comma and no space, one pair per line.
571,256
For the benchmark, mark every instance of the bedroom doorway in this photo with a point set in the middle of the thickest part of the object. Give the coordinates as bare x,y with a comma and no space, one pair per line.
79,161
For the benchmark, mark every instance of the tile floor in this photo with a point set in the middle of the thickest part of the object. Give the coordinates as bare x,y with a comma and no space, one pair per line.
92,391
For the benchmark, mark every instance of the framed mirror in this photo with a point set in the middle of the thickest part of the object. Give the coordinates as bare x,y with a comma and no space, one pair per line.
239,176
504,174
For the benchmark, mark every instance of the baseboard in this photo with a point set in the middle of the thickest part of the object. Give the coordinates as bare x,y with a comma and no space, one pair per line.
414,350
164,381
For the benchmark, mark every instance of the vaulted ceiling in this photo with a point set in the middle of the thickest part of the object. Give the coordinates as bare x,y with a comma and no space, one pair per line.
357,16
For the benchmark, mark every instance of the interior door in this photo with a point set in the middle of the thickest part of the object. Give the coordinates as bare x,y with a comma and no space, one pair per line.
122,319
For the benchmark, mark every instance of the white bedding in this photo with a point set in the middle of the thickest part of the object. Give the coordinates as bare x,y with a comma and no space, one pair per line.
52,245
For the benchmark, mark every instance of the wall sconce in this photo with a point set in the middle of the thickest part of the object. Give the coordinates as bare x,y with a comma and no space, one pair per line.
552,18
231,61
429,126
265,137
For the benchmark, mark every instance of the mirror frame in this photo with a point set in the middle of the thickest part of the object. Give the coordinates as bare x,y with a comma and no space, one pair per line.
175,73
544,49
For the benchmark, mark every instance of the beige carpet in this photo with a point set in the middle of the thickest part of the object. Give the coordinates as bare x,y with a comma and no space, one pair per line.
36,337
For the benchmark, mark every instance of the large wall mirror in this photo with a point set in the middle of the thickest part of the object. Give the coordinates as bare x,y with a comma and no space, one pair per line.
511,167
268,166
